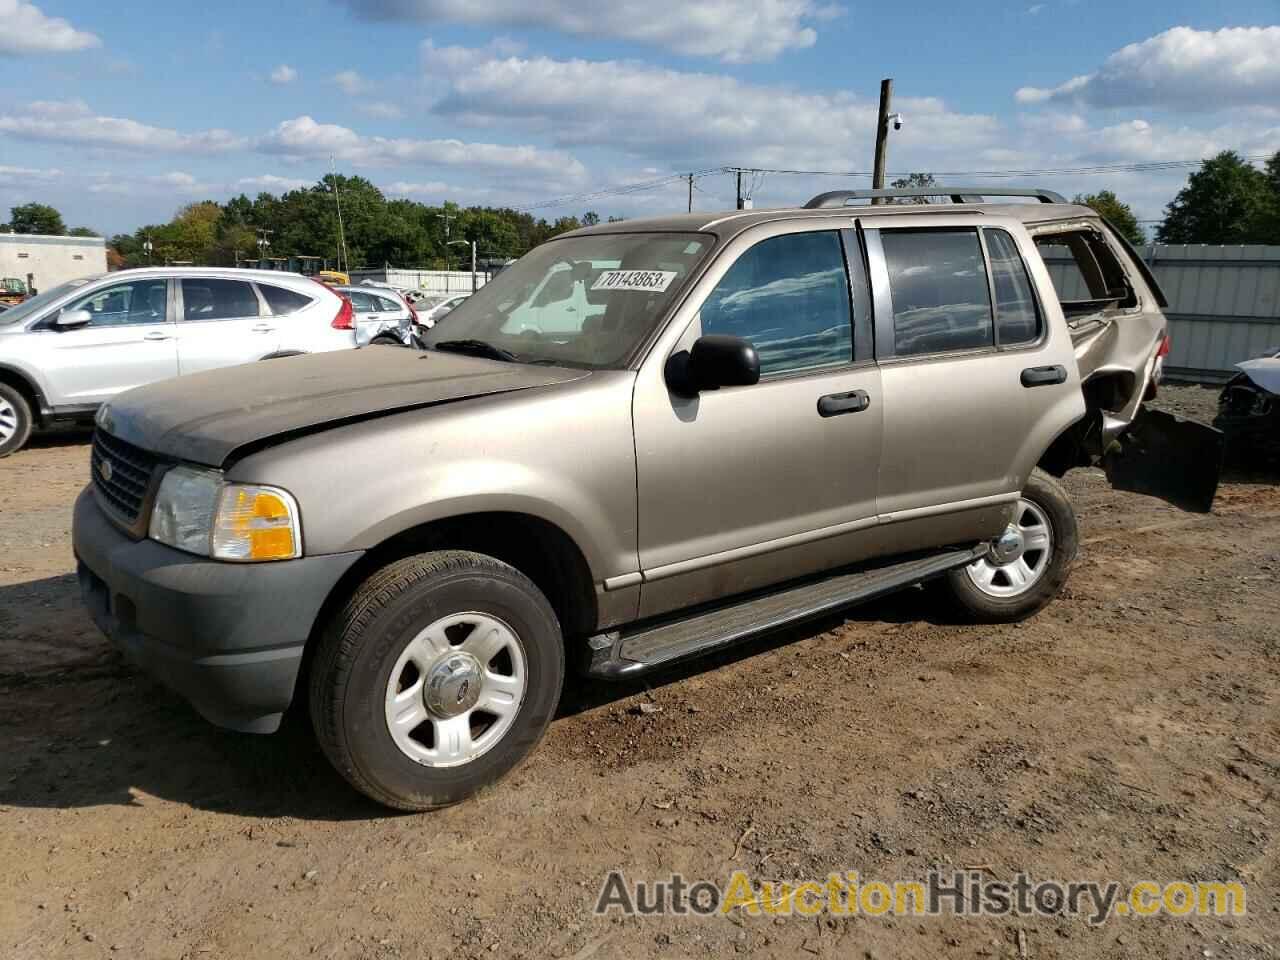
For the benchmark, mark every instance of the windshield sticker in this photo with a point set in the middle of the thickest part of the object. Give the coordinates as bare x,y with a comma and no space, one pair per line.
652,281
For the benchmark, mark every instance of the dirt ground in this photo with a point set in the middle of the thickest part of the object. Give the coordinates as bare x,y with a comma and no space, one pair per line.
1129,731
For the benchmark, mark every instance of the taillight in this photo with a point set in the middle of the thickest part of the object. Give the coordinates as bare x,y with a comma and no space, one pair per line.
1165,344
345,318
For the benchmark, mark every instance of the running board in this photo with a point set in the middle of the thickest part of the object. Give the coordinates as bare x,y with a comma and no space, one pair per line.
648,647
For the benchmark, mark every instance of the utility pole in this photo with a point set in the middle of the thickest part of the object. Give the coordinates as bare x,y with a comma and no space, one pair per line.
882,136
740,207
447,216
342,238
691,193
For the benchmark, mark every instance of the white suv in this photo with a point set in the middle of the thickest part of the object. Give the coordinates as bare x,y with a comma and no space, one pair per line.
69,349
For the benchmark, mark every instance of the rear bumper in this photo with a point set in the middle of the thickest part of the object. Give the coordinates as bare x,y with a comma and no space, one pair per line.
227,637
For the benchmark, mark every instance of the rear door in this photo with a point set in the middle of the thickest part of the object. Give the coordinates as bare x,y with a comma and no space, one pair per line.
223,322
128,342
978,370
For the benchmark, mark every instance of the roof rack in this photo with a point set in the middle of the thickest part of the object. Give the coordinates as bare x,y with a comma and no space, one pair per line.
840,198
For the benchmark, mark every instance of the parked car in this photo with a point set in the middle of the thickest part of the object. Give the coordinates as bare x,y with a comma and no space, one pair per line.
772,414
66,350
382,315
1249,409
433,309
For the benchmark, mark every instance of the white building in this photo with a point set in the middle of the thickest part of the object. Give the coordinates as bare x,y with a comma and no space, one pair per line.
44,261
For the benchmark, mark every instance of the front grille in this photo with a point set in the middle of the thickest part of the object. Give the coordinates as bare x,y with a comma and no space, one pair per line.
121,474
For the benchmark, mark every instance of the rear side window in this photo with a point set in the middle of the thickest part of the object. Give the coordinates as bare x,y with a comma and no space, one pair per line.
789,296
388,306
283,302
1017,319
362,302
214,299
938,283
1086,275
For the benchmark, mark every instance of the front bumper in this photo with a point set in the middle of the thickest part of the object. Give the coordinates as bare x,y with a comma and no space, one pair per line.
228,637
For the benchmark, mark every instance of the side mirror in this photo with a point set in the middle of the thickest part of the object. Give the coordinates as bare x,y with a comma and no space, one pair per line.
714,361
69,319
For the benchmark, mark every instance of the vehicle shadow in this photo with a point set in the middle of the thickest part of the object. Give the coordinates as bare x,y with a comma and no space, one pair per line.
86,728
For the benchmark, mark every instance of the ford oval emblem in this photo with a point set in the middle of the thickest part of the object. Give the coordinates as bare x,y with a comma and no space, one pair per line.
104,468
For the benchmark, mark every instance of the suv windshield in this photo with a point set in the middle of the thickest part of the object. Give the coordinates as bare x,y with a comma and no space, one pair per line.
30,307
581,302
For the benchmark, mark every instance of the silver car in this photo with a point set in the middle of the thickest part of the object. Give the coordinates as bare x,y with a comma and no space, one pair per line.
69,349
382,315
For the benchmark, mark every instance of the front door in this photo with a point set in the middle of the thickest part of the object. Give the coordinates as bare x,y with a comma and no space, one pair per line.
747,486
128,342
223,323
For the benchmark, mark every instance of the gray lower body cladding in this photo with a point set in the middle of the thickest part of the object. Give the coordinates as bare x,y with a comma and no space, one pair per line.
227,637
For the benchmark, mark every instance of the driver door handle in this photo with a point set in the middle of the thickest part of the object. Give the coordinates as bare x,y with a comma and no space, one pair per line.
835,404
262,328
157,335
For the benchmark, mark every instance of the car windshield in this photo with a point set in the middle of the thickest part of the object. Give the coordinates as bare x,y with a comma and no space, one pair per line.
582,301
31,307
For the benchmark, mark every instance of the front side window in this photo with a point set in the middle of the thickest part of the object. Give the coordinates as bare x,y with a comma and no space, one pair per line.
1017,319
215,299
938,284
586,301
143,301
789,296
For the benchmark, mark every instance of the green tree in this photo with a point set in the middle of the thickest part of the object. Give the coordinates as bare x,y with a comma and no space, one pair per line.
36,218
1115,210
1225,201
913,180
1269,220
82,232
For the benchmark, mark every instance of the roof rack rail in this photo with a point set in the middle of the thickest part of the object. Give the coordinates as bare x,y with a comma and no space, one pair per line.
840,198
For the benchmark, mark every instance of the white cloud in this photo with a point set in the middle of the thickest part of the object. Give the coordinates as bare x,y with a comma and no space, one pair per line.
283,74
25,28
73,122
676,117
272,184
351,83
304,137
1035,8
1181,69
175,183
24,176
736,31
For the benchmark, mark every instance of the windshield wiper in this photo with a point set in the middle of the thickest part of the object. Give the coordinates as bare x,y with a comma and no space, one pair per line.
476,348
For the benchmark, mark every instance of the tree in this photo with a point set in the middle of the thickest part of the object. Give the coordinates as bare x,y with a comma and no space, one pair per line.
82,232
913,180
1107,205
590,218
36,218
1225,201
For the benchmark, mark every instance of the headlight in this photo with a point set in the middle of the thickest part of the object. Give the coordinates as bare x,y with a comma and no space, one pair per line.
197,511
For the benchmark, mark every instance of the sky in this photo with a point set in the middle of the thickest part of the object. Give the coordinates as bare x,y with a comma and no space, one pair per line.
119,114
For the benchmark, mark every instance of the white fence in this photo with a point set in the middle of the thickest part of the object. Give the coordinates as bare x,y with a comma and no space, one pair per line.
432,281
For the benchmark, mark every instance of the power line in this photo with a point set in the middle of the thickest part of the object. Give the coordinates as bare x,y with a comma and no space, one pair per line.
1135,167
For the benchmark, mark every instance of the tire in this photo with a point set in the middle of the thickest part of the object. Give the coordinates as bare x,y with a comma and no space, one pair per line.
987,591
15,420
428,624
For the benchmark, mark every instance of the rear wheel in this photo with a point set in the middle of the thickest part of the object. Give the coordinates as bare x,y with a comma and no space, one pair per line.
438,677
1026,566
15,420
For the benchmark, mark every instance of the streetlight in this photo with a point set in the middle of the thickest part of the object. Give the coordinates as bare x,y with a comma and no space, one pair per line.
147,248
472,245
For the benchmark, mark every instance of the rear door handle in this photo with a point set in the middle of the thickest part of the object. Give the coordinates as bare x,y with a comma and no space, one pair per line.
262,328
157,335
834,404
1044,376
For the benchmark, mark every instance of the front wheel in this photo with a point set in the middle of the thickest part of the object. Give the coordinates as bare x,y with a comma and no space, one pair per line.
1026,566
438,676
15,420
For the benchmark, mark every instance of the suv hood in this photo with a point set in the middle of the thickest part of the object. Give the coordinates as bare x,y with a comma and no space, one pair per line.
204,417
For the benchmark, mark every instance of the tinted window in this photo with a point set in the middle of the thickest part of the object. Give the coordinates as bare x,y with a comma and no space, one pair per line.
283,302
145,301
210,299
790,297
388,306
1017,320
362,302
939,288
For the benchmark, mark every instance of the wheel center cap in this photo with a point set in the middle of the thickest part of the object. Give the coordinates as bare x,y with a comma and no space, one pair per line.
1007,547
453,685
